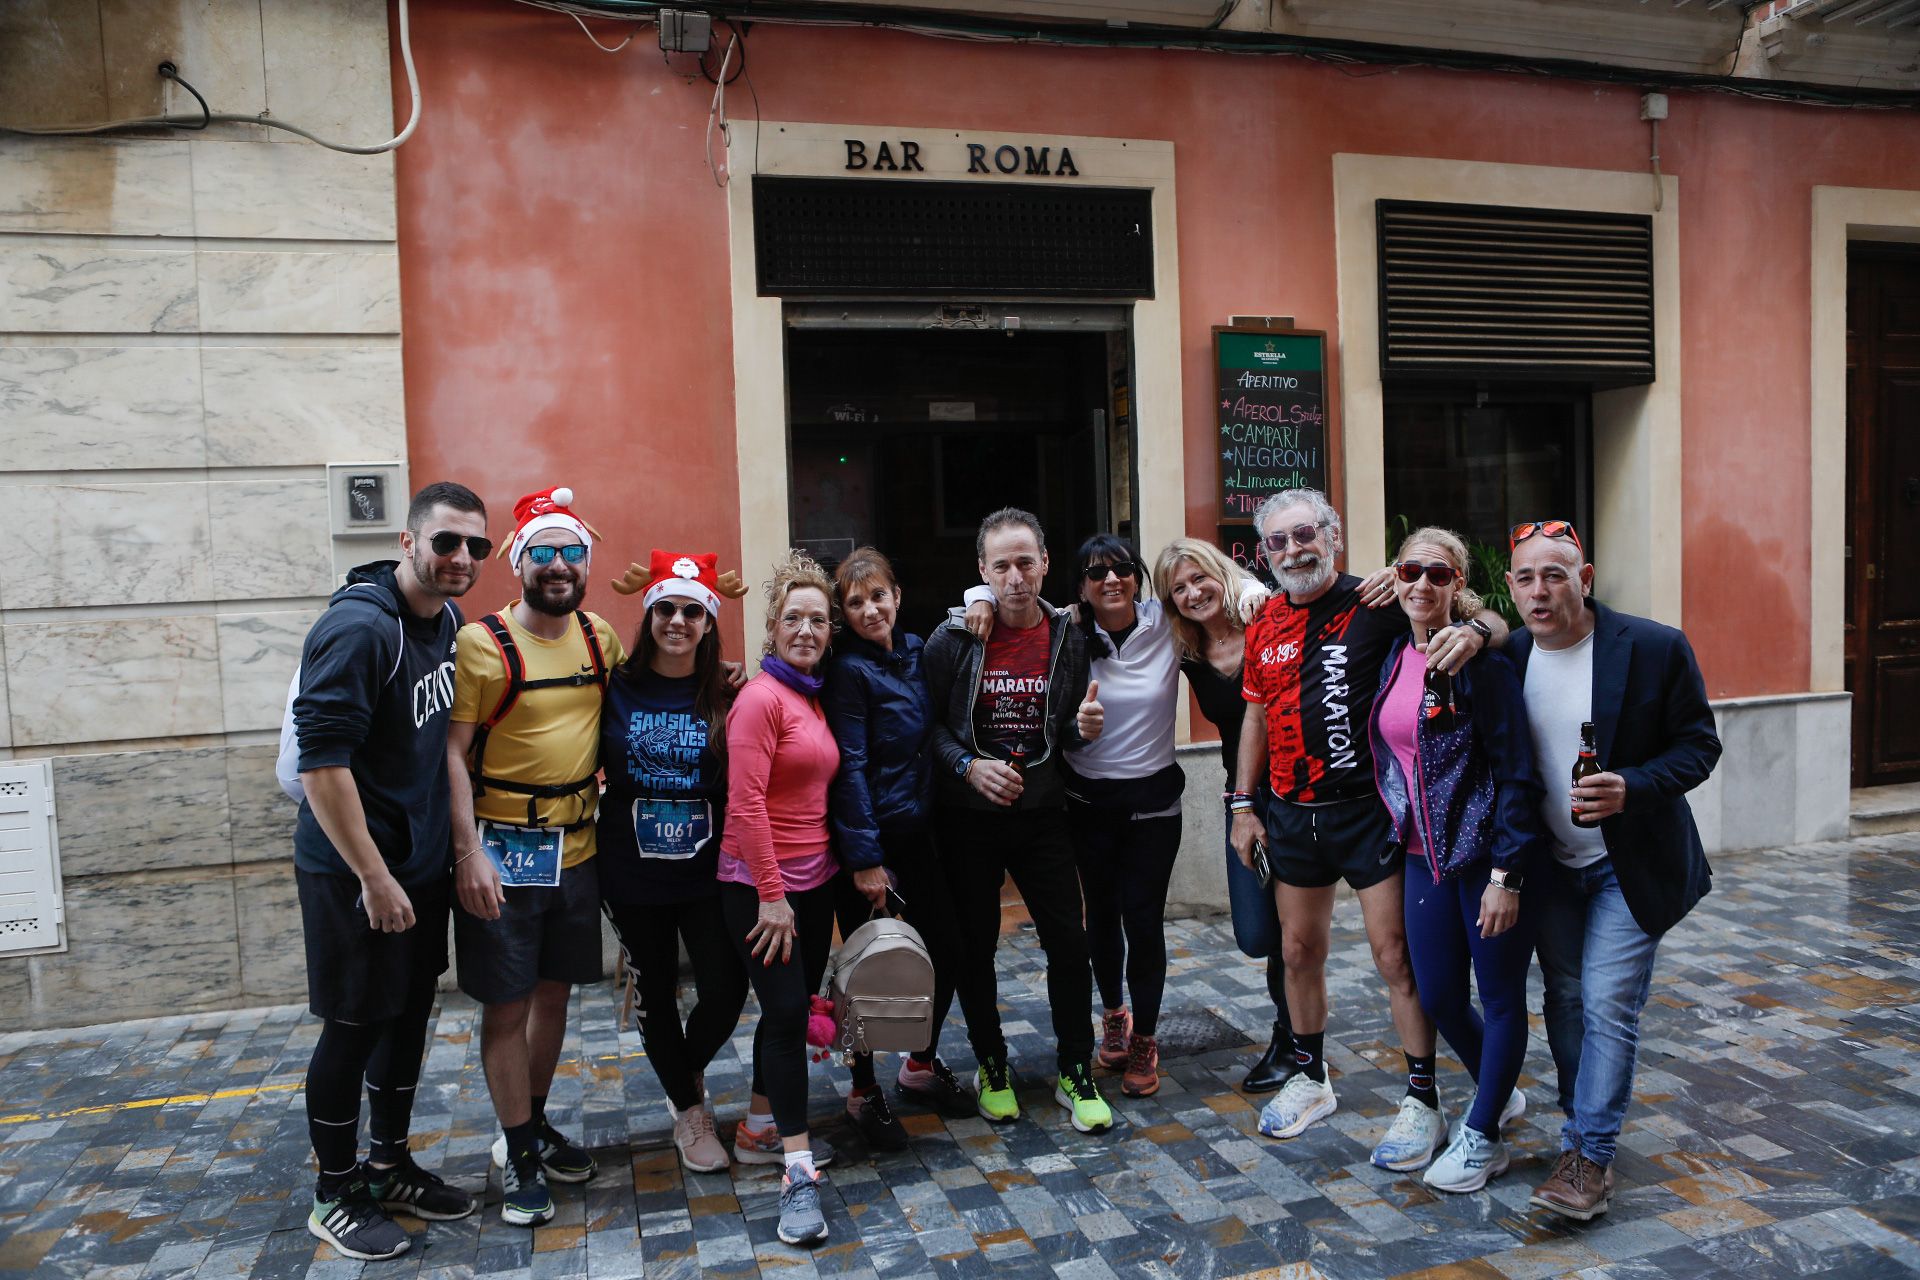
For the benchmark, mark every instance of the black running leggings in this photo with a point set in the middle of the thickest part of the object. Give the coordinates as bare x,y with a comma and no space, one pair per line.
1126,864
783,988
386,1055
651,934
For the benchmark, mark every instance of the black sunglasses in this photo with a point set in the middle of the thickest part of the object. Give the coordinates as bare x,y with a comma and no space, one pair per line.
1438,574
667,611
1098,572
446,542
572,553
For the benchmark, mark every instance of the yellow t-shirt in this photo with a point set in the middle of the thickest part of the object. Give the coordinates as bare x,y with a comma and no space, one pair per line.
550,736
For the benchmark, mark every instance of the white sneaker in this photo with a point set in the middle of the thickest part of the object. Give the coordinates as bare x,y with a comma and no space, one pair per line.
1515,1108
1415,1134
1470,1161
1301,1101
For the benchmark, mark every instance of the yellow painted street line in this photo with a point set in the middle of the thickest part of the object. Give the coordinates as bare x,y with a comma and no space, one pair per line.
194,1099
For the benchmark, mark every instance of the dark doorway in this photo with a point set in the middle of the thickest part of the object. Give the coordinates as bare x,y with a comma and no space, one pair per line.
905,438
1883,512
1480,459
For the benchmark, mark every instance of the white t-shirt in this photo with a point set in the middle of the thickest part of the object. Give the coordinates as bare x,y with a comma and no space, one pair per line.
1138,689
1559,700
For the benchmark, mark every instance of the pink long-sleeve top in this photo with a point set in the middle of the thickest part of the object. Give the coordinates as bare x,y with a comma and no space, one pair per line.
780,757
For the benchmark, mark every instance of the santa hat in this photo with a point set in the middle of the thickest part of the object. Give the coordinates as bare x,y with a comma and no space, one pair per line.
689,577
547,509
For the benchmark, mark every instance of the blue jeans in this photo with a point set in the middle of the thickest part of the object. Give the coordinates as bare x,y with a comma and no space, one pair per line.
1256,928
1598,967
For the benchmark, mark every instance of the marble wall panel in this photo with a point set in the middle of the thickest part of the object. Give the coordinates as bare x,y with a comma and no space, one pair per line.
141,945
303,192
216,44
1200,873
6,716
327,68
16,985
1823,744
92,289
258,652
269,406
96,186
260,814
142,811
273,959
1757,784
264,292
269,539
108,544
112,679
96,408
50,62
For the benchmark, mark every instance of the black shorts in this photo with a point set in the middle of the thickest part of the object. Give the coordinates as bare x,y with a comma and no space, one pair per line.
544,933
355,973
1312,846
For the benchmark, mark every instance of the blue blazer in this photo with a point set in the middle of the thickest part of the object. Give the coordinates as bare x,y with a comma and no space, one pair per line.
1654,728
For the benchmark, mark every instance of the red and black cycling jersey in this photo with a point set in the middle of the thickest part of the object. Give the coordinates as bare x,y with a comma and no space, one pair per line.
1316,668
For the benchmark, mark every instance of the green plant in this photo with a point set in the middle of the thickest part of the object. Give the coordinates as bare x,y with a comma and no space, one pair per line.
1487,574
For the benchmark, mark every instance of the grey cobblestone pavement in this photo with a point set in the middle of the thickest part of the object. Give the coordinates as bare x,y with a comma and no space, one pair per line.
1775,1132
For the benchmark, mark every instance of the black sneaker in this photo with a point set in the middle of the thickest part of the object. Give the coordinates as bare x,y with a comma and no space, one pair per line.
875,1120
407,1188
562,1161
354,1224
935,1087
526,1202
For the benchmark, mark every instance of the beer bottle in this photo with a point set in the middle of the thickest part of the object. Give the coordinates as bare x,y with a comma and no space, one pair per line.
1586,766
1436,700
1017,757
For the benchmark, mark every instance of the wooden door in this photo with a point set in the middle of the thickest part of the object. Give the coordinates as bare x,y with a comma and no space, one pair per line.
1883,512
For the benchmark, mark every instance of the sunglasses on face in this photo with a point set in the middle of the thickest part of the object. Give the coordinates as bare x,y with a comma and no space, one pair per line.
1302,534
1545,528
1438,574
1099,572
667,611
572,553
446,542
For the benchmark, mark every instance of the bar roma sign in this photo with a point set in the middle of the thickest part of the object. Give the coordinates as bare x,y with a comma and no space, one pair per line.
903,155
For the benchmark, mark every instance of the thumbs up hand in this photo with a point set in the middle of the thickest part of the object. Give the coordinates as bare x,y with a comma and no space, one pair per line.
1091,717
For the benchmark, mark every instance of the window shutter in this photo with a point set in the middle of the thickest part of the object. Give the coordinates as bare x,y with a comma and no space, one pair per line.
31,915
1510,294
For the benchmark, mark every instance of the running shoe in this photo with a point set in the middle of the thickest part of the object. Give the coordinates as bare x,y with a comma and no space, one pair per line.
993,1084
407,1188
355,1225
1142,1076
936,1088
871,1115
561,1159
1115,1030
801,1221
1410,1141
1470,1161
695,1140
1074,1091
763,1146
1301,1101
526,1202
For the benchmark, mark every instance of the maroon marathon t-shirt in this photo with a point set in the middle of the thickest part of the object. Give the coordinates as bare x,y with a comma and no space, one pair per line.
1012,704
1316,667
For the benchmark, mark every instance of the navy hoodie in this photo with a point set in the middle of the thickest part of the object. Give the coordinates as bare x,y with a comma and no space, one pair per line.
376,692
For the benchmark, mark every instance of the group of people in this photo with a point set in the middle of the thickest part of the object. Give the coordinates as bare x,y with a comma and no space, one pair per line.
527,772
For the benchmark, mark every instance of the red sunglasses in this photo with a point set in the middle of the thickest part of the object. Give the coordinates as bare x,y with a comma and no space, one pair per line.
1545,528
1437,573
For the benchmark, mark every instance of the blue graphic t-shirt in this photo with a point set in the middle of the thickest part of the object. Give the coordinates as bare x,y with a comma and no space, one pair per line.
660,820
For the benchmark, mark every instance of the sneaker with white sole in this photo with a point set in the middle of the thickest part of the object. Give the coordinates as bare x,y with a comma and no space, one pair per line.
1302,1100
1470,1161
1410,1141
1516,1106
764,1146
695,1140
560,1159
353,1222
801,1221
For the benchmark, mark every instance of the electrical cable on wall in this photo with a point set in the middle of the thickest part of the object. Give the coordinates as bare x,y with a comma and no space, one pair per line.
716,115
207,117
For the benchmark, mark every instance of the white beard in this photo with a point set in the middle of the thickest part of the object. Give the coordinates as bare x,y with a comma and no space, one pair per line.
1307,580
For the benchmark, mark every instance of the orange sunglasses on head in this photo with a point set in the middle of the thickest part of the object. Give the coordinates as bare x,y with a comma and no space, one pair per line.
1545,528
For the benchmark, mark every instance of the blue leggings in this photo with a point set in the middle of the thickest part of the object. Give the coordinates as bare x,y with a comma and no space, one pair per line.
1443,940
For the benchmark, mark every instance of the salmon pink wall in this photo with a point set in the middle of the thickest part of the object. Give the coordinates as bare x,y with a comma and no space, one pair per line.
564,256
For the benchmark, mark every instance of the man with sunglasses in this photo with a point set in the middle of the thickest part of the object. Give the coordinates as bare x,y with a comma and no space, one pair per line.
370,861
1628,864
1313,660
523,752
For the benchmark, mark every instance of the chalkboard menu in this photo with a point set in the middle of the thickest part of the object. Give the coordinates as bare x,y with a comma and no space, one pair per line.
1270,403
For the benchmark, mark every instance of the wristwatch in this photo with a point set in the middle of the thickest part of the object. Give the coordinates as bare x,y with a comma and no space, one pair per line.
1486,633
1508,880
965,765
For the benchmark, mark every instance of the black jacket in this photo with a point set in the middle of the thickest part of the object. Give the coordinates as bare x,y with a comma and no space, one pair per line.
1654,728
952,665
376,692
882,715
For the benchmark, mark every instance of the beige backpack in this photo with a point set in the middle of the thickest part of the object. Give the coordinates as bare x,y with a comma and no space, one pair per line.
881,983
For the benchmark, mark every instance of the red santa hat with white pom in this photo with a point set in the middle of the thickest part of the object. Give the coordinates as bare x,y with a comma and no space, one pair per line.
689,577
547,509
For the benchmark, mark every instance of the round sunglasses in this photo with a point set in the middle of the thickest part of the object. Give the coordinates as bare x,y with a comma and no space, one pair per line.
1438,574
667,611
572,553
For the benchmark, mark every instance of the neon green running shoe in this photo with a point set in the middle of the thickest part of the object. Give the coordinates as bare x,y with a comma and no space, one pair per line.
994,1083
1076,1093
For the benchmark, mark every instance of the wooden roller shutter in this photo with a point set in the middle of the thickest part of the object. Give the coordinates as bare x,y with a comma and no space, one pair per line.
1490,293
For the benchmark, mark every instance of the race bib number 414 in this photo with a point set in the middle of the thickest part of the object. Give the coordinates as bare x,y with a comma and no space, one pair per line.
526,857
